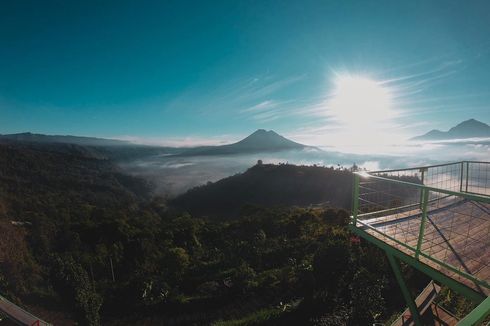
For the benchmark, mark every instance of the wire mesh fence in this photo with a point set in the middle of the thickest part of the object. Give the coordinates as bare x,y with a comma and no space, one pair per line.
440,214
476,176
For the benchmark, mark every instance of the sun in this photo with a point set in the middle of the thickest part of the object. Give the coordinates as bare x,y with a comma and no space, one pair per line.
360,101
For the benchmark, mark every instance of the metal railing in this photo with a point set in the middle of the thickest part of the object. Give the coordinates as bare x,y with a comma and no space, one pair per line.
436,213
19,315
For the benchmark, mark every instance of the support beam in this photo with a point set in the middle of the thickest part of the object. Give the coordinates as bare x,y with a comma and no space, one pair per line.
477,315
395,265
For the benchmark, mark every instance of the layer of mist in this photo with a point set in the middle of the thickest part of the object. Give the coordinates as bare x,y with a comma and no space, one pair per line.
172,175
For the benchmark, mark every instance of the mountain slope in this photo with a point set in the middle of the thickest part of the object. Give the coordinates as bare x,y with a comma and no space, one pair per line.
260,141
467,129
77,140
117,150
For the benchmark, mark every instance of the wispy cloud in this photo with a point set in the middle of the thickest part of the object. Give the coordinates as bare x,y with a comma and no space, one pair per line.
265,105
262,87
240,95
266,116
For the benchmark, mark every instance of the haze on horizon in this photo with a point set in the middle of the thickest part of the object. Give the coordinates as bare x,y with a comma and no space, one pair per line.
187,73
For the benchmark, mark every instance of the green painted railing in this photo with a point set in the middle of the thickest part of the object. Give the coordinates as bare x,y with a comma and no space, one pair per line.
464,183
429,187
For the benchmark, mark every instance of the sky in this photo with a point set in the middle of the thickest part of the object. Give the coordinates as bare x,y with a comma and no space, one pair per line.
200,72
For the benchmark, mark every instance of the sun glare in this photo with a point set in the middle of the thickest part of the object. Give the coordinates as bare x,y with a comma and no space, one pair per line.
359,101
364,113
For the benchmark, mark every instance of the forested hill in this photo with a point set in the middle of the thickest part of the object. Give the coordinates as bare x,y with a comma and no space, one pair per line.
270,185
33,175
59,201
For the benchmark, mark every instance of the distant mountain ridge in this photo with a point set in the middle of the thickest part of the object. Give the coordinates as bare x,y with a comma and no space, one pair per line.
65,139
259,141
467,129
101,148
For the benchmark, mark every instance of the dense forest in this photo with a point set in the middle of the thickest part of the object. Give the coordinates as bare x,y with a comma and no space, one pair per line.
84,244
272,186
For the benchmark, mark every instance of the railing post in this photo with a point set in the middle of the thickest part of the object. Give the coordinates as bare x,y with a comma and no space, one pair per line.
467,174
425,200
355,198
422,170
461,181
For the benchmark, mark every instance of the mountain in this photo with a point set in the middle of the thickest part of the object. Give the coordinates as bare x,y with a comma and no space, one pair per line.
260,141
467,129
76,140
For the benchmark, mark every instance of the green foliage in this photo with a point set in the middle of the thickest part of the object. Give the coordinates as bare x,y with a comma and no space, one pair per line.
176,261
270,185
330,263
244,278
455,303
73,284
260,317
367,300
93,240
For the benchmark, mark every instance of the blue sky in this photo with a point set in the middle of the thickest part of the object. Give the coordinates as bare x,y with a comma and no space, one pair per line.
214,71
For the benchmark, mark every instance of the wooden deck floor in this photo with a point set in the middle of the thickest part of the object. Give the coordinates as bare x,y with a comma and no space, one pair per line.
456,233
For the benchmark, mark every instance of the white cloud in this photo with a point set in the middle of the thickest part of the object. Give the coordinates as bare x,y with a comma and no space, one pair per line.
190,141
241,95
268,104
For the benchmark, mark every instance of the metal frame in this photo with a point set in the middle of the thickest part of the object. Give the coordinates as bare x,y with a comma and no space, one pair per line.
395,255
395,265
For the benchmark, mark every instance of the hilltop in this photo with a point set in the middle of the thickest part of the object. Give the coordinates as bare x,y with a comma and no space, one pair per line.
270,185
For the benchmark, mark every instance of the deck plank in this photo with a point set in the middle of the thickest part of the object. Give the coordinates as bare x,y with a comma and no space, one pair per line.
456,233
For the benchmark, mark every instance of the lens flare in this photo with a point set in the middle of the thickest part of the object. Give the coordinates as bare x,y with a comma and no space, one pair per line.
359,101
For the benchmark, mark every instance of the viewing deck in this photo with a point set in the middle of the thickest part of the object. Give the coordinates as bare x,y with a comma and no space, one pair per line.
435,218
457,235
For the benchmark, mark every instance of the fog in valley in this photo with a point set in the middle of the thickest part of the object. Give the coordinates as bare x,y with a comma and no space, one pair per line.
173,174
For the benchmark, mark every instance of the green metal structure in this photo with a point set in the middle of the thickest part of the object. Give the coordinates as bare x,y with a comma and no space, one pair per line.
435,219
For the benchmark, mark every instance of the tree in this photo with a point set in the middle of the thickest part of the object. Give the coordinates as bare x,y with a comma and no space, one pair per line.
367,302
244,278
72,281
330,263
176,262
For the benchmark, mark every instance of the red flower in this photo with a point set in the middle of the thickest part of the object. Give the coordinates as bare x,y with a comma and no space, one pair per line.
355,240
